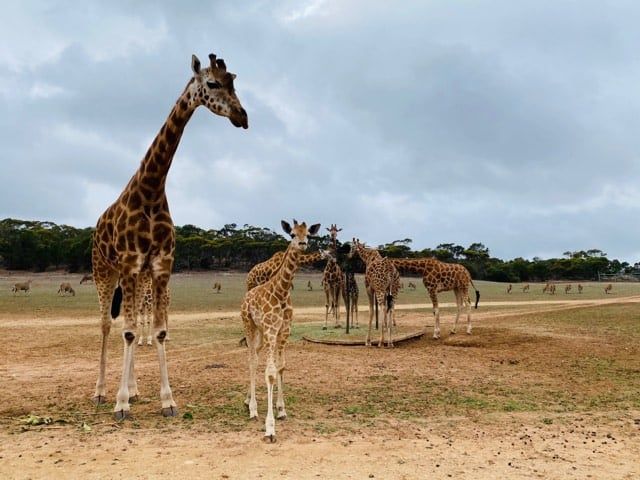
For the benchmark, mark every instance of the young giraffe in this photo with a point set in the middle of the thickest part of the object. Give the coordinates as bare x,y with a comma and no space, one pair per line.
332,281
382,282
266,313
145,311
136,232
262,272
439,277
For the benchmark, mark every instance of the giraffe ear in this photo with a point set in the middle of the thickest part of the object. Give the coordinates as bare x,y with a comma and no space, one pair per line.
195,64
313,229
285,226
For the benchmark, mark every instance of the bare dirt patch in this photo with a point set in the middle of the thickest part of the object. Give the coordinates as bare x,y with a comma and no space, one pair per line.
540,391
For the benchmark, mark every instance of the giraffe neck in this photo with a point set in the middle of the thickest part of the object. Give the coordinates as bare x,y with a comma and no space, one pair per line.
309,258
284,277
368,255
151,176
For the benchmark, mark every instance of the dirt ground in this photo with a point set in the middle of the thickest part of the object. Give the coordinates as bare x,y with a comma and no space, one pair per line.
544,390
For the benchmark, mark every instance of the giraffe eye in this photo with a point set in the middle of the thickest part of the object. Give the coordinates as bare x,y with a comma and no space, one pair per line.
214,85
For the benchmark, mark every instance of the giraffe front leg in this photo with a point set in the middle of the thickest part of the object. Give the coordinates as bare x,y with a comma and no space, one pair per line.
160,282
283,335
270,374
253,341
436,314
133,381
99,396
458,295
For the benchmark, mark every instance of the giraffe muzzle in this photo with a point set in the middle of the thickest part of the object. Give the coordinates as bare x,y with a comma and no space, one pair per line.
239,118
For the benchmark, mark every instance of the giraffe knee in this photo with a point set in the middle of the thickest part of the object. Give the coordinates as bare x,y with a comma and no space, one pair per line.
162,334
129,337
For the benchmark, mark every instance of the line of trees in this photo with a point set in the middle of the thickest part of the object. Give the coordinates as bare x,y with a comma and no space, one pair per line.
40,246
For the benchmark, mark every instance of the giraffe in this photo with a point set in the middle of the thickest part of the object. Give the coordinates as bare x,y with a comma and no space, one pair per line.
350,289
262,272
332,281
65,287
509,288
382,282
136,233
580,287
567,289
266,314
88,277
608,288
145,310
438,277
22,286
525,289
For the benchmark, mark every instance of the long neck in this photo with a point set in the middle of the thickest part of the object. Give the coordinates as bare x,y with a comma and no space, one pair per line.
409,264
284,277
151,176
309,258
368,255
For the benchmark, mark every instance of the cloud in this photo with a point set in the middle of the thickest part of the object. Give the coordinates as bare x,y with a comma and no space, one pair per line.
513,125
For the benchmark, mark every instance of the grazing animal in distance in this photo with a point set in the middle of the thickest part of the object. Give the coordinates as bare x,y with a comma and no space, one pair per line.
65,287
567,288
509,288
22,287
267,313
580,287
309,286
525,289
88,277
608,289
217,286
411,285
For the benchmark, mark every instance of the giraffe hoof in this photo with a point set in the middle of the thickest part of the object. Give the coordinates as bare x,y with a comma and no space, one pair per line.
120,415
99,400
133,398
270,438
170,411
282,415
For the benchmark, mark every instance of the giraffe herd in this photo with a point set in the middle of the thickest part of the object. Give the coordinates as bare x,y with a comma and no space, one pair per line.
133,254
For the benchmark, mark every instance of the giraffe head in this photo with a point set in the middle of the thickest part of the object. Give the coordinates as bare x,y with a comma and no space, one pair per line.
213,87
300,233
333,231
355,246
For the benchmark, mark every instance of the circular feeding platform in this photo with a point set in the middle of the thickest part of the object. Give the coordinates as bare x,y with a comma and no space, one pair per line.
358,336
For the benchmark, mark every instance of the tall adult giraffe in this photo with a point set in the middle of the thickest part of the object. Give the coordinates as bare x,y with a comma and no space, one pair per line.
136,233
382,282
438,277
332,279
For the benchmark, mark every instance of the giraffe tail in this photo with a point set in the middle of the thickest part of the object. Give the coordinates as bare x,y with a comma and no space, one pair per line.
116,302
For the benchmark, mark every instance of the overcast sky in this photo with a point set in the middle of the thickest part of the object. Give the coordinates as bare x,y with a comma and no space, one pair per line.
512,123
